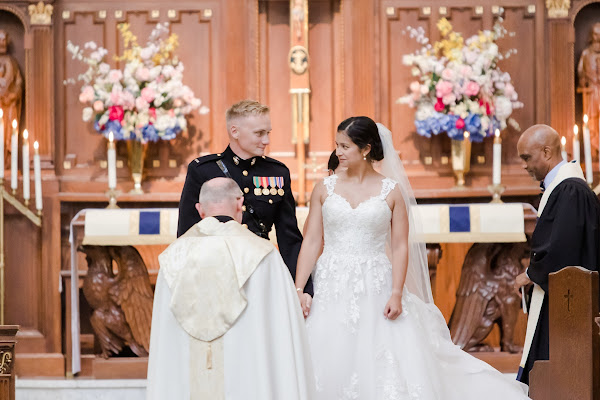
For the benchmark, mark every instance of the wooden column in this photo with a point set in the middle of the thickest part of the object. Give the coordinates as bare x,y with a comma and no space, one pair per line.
7,361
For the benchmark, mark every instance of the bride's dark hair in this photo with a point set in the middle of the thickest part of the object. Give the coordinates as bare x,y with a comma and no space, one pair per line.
363,131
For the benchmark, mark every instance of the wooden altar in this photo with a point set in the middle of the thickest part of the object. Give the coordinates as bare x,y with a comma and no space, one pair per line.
238,49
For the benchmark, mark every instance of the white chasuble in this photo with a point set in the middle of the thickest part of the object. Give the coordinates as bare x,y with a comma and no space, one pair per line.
226,323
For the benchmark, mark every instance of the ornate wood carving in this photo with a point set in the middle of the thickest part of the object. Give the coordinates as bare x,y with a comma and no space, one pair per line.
122,302
7,361
40,13
485,296
558,8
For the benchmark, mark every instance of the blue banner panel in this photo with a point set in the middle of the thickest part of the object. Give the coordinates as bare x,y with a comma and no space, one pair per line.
149,222
460,219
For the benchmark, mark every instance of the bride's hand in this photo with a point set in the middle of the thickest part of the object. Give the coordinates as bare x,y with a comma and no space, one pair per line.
305,303
393,308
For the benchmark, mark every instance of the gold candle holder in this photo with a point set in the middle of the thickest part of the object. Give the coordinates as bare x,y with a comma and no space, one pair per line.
496,191
112,199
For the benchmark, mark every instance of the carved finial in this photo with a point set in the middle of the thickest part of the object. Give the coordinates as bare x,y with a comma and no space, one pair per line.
558,8
40,13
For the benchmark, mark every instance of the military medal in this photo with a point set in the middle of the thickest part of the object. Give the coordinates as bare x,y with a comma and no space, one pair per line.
264,183
280,191
256,181
273,190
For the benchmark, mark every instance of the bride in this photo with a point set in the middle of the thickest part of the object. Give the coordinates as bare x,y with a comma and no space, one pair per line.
374,331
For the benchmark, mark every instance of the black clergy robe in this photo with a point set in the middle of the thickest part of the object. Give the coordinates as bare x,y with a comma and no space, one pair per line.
566,234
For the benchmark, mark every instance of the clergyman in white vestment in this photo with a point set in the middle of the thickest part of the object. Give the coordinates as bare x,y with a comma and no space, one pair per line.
226,322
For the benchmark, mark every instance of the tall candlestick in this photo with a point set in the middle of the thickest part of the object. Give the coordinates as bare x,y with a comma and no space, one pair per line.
25,150
2,143
497,160
587,151
112,162
563,148
576,153
37,176
14,157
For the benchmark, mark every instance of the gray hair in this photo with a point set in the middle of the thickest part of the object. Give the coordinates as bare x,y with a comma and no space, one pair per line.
219,191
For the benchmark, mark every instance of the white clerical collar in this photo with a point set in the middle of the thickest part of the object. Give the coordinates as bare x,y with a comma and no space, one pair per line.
552,174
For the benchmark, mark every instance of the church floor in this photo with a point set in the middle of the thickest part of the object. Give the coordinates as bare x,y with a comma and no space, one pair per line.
88,389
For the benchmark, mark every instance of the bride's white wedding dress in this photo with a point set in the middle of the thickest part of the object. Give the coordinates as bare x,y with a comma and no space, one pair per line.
356,352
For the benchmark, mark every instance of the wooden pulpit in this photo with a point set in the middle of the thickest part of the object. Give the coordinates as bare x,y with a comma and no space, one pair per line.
7,361
573,371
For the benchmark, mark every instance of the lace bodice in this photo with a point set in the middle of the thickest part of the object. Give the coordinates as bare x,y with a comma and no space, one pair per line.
361,231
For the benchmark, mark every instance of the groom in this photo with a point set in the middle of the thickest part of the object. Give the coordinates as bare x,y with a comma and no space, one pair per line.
265,182
567,232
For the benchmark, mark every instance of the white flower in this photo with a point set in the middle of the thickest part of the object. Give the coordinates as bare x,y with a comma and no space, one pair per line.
424,111
88,112
104,68
503,107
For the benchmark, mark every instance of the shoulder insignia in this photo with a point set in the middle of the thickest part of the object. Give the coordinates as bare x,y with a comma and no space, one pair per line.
207,158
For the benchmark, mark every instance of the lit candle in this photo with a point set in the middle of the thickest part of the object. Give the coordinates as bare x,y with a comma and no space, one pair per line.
497,160
112,162
576,154
563,148
14,156
2,143
37,176
587,151
26,192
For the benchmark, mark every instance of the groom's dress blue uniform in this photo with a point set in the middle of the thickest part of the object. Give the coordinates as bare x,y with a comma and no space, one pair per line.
261,211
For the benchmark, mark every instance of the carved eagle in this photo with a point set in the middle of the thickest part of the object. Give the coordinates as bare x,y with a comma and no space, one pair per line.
122,302
485,295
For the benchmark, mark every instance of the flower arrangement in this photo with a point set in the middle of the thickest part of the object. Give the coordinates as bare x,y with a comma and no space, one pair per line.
460,87
145,101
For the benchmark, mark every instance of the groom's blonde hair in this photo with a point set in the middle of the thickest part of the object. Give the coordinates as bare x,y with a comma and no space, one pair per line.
245,108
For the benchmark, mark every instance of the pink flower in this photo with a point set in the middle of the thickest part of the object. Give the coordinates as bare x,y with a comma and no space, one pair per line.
115,113
98,106
415,86
171,113
87,94
509,90
460,123
177,103
141,104
116,96
439,106
466,71
148,94
448,74
152,112
128,100
471,88
115,75
142,74
443,88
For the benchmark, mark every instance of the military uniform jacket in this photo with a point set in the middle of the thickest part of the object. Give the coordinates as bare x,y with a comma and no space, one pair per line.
268,199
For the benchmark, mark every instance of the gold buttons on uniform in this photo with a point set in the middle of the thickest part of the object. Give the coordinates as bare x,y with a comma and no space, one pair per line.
270,201
245,226
246,190
243,208
219,155
245,173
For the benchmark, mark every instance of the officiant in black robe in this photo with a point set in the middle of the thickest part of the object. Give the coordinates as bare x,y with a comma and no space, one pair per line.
567,232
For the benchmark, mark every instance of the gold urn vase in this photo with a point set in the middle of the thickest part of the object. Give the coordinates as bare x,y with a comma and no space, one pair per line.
137,154
461,160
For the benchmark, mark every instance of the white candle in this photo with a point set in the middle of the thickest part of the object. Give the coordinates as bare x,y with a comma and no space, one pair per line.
497,160
14,156
37,176
112,162
26,192
576,154
587,151
563,148
2,142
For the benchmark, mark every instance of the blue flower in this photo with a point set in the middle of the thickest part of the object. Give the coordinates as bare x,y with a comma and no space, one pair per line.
114,127
149,133
422,128
171,133
473,126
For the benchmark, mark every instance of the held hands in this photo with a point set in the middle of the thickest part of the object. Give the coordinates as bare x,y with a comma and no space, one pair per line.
305,302
393,308
521,280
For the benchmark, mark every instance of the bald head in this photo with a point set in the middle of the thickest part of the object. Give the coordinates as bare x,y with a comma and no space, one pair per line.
539,149
220,196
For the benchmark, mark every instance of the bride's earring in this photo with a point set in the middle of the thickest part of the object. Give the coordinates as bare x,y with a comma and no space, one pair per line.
365,157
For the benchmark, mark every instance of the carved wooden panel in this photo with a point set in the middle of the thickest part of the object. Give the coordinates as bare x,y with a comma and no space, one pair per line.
81,151
429,157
